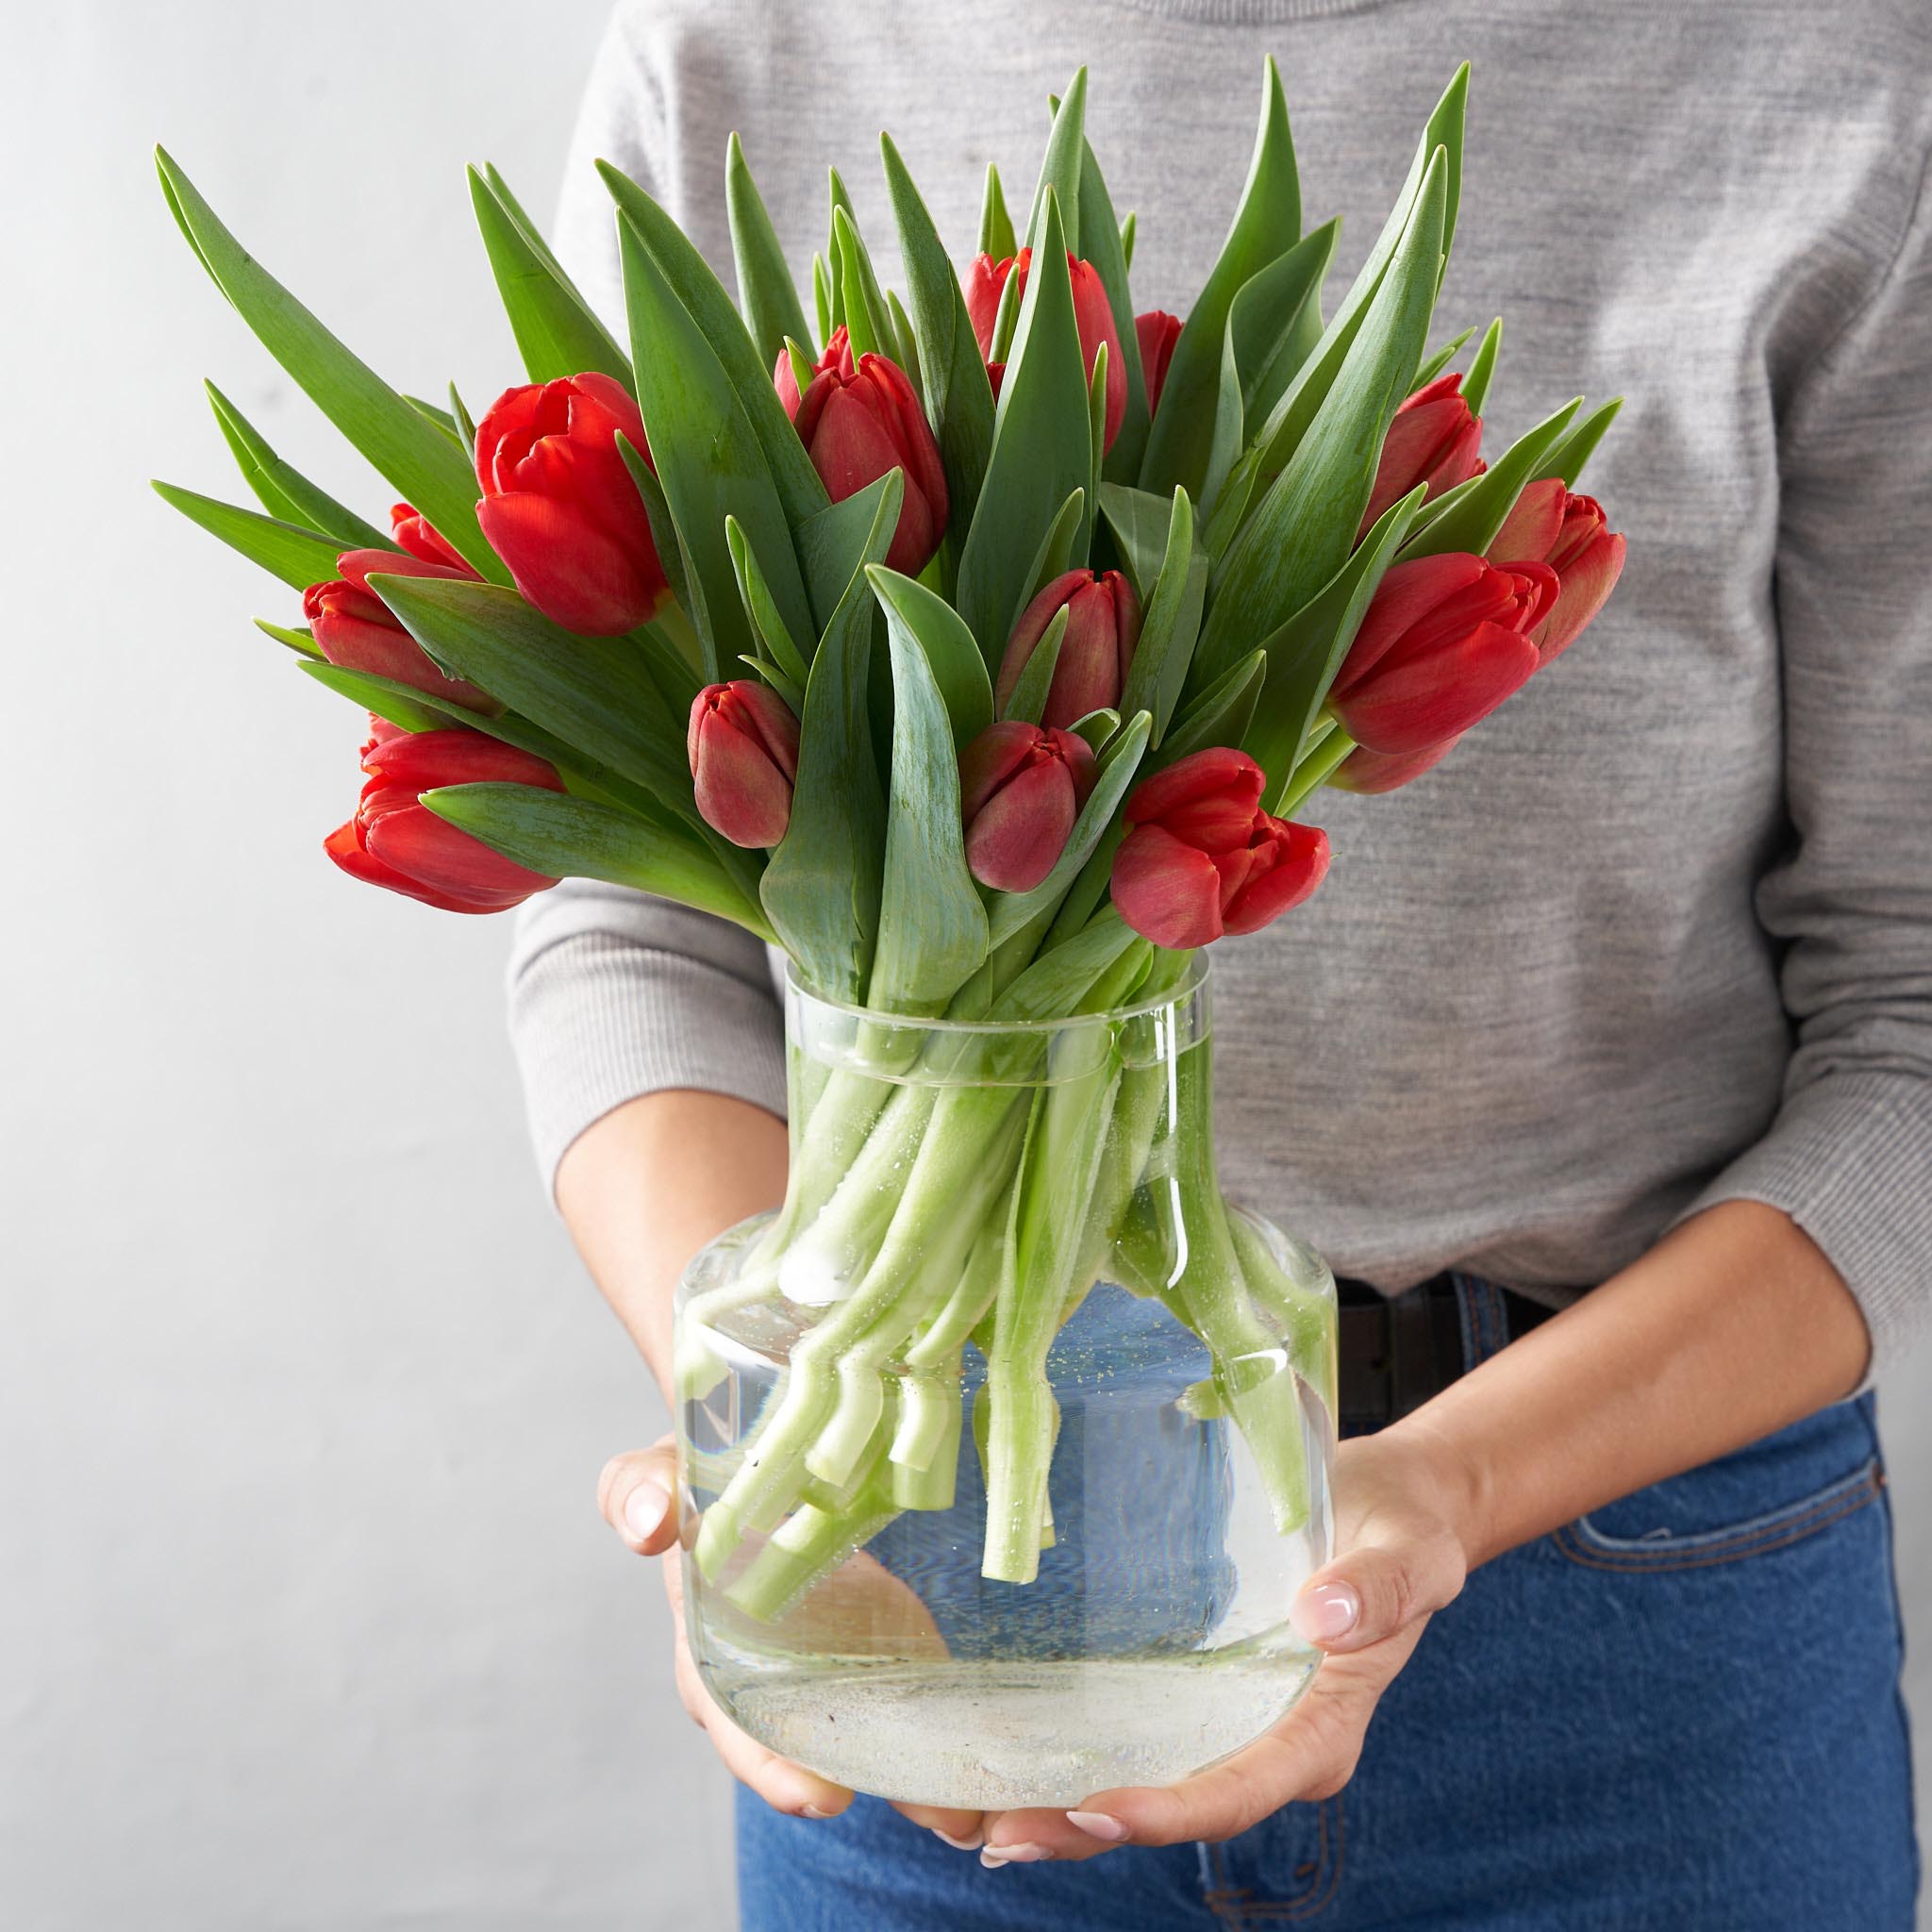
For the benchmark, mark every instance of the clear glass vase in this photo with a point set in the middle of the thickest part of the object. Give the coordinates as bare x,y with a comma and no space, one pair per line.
1006,1442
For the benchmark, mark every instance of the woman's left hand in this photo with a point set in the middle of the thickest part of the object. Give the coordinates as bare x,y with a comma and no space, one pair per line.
1403,1509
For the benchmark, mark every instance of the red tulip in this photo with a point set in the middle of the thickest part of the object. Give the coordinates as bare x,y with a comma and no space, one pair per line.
397,843
1157,332
1093,316
559,507
1571,534
859,420
742,744
353,628
1102,628
1443,643
1202,858
1021,787
1434,438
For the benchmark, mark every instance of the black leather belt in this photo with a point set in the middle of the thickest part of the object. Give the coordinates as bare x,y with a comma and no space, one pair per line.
1397,1351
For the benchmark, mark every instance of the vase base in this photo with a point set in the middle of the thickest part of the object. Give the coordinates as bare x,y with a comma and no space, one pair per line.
1006,1734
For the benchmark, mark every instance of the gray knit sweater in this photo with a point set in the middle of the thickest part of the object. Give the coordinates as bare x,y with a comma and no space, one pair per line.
1658,933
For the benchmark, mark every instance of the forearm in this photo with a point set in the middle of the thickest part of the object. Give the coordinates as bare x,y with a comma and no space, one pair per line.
644,1188
1732,1326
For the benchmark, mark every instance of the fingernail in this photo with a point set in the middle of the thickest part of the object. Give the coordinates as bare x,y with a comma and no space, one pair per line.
812,1811
1098,1825
960,1844
1328,1611
993,1857
644,1508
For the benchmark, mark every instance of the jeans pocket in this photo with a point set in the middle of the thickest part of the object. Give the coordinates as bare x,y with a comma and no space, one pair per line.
1777,1493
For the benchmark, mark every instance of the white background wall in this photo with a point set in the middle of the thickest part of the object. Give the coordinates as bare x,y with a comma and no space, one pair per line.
306,1617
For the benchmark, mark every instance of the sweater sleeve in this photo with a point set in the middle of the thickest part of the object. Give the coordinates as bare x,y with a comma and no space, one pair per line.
613,995
1849,898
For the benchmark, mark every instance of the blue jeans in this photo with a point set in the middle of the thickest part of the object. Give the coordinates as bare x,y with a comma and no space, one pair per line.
1680,1712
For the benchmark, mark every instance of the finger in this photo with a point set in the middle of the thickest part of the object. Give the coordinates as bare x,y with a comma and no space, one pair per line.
784,1786
964,1831
635,1493
1376,1590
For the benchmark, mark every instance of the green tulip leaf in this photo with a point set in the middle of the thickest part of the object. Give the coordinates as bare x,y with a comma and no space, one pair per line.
1059,170
576,838
694,289
1139,522
298,556
1220,715
466,423
400,704
765,289
957,396
1273,323
932,926
767,621
1041,448
709,462
597,694
1127,229
1267,223
995,224
555,331
1100,237
791,691
1480,511
822,295
1014,910
1482,368
283,490
834,545
868,321
1035,682
1098,728
820,889
1170,624
668,544
1060,978
301,642
1288,421
906,345
1569,457
948,648
420,462
1439,361
1303,529
1305,654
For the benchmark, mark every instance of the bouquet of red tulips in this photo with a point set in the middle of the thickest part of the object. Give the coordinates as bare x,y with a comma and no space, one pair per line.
978,644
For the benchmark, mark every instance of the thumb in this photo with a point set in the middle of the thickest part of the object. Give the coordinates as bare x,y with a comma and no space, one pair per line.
1376,1591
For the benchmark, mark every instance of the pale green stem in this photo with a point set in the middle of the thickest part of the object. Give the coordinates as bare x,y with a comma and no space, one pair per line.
1316,768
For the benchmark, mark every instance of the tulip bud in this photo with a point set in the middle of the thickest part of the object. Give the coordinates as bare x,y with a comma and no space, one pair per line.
1097,651
1202,858
742,743
398,843
353,628
1371,773
1157,332
1445,641
560,506
857,422
422,539
1571,534
1021,787
986,281
1435,438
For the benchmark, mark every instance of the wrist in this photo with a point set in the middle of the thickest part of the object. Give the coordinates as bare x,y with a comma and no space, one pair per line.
1449,1479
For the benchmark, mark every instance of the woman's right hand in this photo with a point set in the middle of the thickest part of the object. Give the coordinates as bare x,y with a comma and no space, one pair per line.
636,1493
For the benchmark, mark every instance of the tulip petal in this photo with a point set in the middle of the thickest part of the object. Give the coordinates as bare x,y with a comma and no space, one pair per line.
422,761
1225,782
1408,593
991,759
1372,773
1534,522
1418,700
467,874
578,577
1017,836
1585,587
386,650
740,793
1168,891
1291,862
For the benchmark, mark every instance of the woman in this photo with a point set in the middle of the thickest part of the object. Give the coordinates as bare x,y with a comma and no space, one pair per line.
1628,1006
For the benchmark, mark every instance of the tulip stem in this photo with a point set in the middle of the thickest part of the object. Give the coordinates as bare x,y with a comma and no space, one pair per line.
1316,768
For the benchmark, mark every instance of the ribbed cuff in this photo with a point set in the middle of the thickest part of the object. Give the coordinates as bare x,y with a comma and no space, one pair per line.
1849,1159
597,1018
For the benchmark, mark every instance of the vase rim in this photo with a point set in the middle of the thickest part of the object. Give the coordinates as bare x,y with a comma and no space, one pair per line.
1190,982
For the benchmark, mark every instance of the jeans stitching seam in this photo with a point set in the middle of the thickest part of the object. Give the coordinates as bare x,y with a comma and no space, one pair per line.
1865,1489
1320,1894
